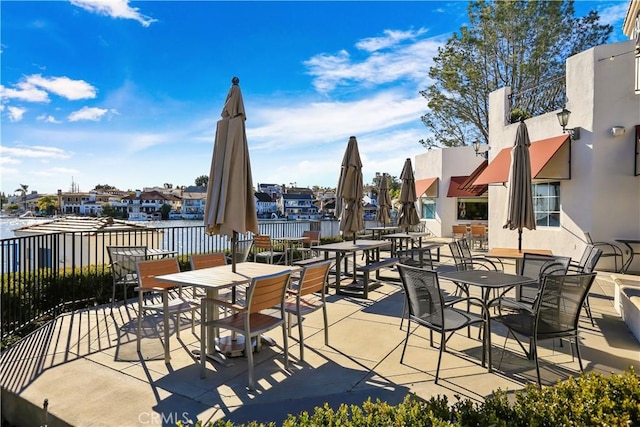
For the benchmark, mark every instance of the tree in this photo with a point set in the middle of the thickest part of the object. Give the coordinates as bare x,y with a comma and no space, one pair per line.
47,204
520,44
23,194
202,181
104,187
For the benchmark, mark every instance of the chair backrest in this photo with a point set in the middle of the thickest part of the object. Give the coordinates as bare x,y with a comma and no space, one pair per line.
590,264
243,248
422,291
478,231
267,291
123,259
536,266
214,259
458,260
585,256
149,270
559,302
314,278
416,257
461,252
459,231
262,241
311,238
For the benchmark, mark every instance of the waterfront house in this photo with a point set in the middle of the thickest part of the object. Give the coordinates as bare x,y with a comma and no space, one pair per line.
265,205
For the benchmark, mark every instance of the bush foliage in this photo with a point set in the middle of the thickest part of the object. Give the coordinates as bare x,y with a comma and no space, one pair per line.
591,399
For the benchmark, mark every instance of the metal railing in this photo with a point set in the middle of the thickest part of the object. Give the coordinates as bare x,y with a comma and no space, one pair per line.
48,274
543,98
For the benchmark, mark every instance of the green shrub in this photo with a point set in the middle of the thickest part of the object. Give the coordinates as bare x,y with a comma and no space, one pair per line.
591,399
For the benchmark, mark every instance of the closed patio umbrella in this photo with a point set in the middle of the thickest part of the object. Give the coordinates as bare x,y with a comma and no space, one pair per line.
520,213
230,206
384,202
349,191
408,213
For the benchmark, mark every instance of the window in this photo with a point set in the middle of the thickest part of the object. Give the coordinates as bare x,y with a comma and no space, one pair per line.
546,204
428,207
473,208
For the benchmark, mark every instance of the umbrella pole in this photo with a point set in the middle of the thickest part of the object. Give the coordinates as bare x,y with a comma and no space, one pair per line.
519,239
234,250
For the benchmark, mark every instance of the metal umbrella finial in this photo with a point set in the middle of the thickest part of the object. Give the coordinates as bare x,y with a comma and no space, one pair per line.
235,81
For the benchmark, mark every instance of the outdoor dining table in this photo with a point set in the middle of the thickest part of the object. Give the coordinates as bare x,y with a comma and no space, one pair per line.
371,249
487,281
150,253
290,243
400,240
378,232
629,244
213,279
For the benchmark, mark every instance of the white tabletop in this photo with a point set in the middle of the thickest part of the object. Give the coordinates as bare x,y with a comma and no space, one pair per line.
223,276
350,246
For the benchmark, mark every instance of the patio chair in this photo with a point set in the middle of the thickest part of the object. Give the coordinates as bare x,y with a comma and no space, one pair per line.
264,249
257,316
311,238
243,249
122,261
609,250
537,267
587,264
427,307
459,231
307,296
555,314
169,305
478,235
198,261
475,262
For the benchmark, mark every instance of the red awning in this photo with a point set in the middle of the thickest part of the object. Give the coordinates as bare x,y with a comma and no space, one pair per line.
550,159
428,184
456,189
467,185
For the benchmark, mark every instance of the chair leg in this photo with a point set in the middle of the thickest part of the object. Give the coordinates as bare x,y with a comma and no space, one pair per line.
587,307
578,353
406,340
535,357
442,344
249,353
165,309
203,341
326,325
300,336
285,346
140,302
289,323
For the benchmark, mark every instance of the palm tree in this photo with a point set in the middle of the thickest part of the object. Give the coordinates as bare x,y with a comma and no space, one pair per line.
23,193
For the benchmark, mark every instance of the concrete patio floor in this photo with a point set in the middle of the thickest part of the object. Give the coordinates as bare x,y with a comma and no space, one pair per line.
85,365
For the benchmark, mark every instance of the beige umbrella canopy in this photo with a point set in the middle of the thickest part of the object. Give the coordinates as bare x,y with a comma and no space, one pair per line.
349,191
520,213
408,213
384,201
230,208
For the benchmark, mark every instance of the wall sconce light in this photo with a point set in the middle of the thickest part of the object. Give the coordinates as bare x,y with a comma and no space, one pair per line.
617,130
563,118
476,147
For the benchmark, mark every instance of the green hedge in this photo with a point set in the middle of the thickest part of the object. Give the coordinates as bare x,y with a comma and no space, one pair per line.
591,399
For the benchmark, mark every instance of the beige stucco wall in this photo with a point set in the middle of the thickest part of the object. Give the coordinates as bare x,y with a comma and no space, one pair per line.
445,163
603,196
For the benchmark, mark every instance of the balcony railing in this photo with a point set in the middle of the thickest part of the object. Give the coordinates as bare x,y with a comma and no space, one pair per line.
541,99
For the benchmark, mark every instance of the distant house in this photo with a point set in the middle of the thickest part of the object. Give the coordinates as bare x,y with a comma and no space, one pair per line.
141,204
274,191
298,206
265,206
193,204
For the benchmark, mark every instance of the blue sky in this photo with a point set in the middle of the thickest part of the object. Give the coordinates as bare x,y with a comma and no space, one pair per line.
128,93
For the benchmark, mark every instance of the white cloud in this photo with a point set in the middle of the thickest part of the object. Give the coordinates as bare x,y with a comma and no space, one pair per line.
114,9
35,151
614,15
88,113
16,113
410,62
47,119
391,38
24,92
8,161
63,86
